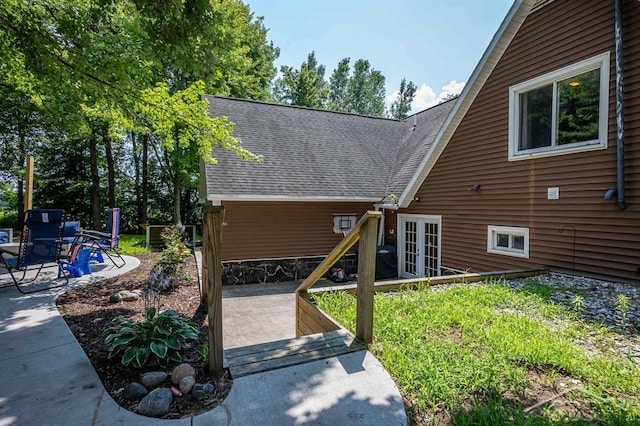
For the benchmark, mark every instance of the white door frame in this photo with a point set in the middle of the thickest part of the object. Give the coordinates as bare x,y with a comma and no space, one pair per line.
420,220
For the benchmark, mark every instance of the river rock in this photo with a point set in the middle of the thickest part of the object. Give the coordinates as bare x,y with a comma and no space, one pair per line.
157,403
181,371
115,298
129,296
153,378
202,390
186,384
134,391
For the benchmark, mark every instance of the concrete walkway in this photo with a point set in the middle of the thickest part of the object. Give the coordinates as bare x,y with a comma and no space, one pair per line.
48,380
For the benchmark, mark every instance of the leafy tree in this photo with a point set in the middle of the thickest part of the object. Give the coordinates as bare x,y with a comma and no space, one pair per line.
185,128
303,87
365,91
402,105
88,70
338,84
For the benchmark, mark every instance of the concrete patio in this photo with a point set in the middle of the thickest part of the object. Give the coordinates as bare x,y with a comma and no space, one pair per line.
49,380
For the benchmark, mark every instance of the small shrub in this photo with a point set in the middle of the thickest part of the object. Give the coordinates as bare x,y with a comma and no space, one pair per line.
176,252
162,336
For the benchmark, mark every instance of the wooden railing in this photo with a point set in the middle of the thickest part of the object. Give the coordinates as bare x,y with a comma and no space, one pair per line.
365,232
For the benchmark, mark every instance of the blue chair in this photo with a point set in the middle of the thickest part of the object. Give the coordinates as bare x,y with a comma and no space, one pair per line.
40,244
104,242
78,263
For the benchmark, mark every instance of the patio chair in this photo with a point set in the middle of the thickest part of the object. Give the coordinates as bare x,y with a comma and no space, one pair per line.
40,244
104,241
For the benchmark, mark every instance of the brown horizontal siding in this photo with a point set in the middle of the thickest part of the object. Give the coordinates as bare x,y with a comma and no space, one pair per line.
265,230
514,193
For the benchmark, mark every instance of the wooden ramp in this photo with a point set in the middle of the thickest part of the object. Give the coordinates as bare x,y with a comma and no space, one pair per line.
285,353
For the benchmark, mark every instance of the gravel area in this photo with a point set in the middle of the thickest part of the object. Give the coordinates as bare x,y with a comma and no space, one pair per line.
615,306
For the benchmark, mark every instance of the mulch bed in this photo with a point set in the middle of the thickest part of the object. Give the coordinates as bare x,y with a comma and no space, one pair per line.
88,313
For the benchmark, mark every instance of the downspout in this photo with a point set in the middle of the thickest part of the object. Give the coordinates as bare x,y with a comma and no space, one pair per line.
619,105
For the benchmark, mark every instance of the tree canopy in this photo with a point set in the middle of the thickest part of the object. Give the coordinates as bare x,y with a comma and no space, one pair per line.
360,90
91,86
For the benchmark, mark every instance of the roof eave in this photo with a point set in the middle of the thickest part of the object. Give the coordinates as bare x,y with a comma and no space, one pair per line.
290,198
499,43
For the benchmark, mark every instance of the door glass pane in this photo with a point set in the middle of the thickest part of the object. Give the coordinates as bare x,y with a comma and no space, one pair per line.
578,108
431,250
535,118
411,248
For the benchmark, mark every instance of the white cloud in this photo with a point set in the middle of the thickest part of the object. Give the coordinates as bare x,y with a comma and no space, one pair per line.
426,96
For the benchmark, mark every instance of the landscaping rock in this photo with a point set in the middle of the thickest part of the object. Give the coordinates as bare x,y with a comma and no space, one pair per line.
126,295
129,296
186,384
182,371
157,403
202,390
154,378
134,391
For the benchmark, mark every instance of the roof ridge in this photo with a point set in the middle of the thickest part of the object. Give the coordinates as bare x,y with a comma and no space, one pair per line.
404,135
303,107
433,106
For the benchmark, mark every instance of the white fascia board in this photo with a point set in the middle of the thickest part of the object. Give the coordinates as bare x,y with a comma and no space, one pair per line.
499,43
248,197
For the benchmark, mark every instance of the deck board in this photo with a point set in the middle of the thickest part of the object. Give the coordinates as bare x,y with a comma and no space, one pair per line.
284,353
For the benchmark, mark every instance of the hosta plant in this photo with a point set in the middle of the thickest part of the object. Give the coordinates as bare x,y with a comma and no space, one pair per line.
160,336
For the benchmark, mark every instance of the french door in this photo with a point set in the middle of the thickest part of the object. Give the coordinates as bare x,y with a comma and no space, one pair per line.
419,242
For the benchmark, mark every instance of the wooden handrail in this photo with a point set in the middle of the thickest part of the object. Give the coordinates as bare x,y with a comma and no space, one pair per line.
349,241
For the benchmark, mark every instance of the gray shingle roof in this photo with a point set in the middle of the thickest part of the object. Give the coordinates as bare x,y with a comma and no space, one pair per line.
311,153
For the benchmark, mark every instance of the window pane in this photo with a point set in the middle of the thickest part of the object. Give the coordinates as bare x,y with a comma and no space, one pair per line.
518,242
502,240
578,108
535,118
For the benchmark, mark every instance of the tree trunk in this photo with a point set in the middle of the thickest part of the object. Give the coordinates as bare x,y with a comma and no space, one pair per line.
177,218
95,179
111,173
135,154
21,176
145,179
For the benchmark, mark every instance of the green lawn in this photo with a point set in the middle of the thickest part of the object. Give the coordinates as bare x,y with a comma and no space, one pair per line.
133,245
483,355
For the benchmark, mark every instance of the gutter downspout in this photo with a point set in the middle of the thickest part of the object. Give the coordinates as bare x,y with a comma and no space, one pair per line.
620,105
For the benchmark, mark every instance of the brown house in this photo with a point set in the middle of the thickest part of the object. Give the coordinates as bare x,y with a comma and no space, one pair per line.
321,171
536,163
527,162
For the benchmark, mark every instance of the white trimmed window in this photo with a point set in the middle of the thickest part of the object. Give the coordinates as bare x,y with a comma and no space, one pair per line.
508,240
561,112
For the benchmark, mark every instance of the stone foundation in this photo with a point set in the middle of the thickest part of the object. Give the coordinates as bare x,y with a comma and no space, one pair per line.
278,270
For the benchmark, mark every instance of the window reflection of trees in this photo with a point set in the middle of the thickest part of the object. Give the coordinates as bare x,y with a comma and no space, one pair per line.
578,108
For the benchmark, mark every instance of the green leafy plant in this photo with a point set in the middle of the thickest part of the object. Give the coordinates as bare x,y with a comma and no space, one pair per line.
176,252
578,304
162,336
623,305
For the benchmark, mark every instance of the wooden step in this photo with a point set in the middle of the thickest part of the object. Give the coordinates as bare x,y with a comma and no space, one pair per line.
285,353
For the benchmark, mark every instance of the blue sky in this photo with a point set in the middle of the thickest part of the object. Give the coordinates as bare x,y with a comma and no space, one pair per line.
430,42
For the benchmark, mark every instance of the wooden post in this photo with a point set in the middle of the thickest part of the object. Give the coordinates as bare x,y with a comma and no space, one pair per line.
366,277
28,193
213,217
204,274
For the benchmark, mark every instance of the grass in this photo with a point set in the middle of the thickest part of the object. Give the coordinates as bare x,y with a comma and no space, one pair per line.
133,245
483,354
